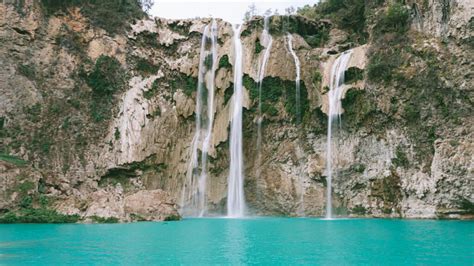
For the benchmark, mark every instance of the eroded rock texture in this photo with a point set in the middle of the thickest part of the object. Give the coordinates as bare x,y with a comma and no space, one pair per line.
103,122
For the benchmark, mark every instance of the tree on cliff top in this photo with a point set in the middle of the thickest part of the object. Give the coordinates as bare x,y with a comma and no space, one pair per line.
111,15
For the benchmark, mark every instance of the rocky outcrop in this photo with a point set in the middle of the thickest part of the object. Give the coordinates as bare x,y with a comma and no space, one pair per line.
114,203
125,154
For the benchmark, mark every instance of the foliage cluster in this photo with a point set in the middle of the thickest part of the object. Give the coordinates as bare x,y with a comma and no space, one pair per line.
106,78
40,215
400,158
258,47
146,67
353,74
349,15
314,33
187,84
274,90
12,159
111,15
224,62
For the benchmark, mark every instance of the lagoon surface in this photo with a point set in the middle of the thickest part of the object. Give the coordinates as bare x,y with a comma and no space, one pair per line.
241,241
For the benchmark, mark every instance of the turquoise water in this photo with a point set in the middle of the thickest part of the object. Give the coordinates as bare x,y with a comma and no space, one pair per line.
279,241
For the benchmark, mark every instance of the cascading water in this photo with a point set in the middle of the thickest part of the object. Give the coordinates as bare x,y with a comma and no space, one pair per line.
301,192
194,197
297,80
266,41
336,92
235,186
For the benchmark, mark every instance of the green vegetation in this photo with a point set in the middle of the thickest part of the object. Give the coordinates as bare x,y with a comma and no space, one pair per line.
146,67
317,78
187,84
104,220
152,91
148,39
401,158
27,71
383,63
359,210
353,74
117,133
229,91
389,44
359,111
349,15
318,39
121,175
208,61
224,62
274,90
258,47
12,159
41,215
106,78
173,218
314,33
180,27
411,113
358,168
112,15
136,217
466,205
395,20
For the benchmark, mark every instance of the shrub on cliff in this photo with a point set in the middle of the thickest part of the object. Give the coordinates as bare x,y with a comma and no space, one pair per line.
38,216
106,78
395,20
348,15
111,15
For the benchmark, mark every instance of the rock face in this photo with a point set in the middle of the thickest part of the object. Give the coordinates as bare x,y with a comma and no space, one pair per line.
125,154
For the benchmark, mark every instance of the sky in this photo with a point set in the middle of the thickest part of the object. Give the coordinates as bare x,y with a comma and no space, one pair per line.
230,10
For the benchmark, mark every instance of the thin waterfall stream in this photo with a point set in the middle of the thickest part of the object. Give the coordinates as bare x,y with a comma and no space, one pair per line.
336,92
194,195
235,186
266,41
297,79
301,187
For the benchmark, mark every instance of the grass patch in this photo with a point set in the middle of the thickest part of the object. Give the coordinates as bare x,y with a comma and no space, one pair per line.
146,67
208,61
27,71
40,215
258,47
104,220
224,62
359,210
106,78
152,91
12,159
394,20
187,84
401,158
173,218
274,90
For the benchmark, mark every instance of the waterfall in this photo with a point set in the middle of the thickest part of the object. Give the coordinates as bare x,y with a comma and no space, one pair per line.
194,197
235,186
297,80
266,40
336,92
301,207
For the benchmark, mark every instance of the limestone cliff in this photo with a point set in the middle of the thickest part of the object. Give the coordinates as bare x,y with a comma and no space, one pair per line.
100,123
